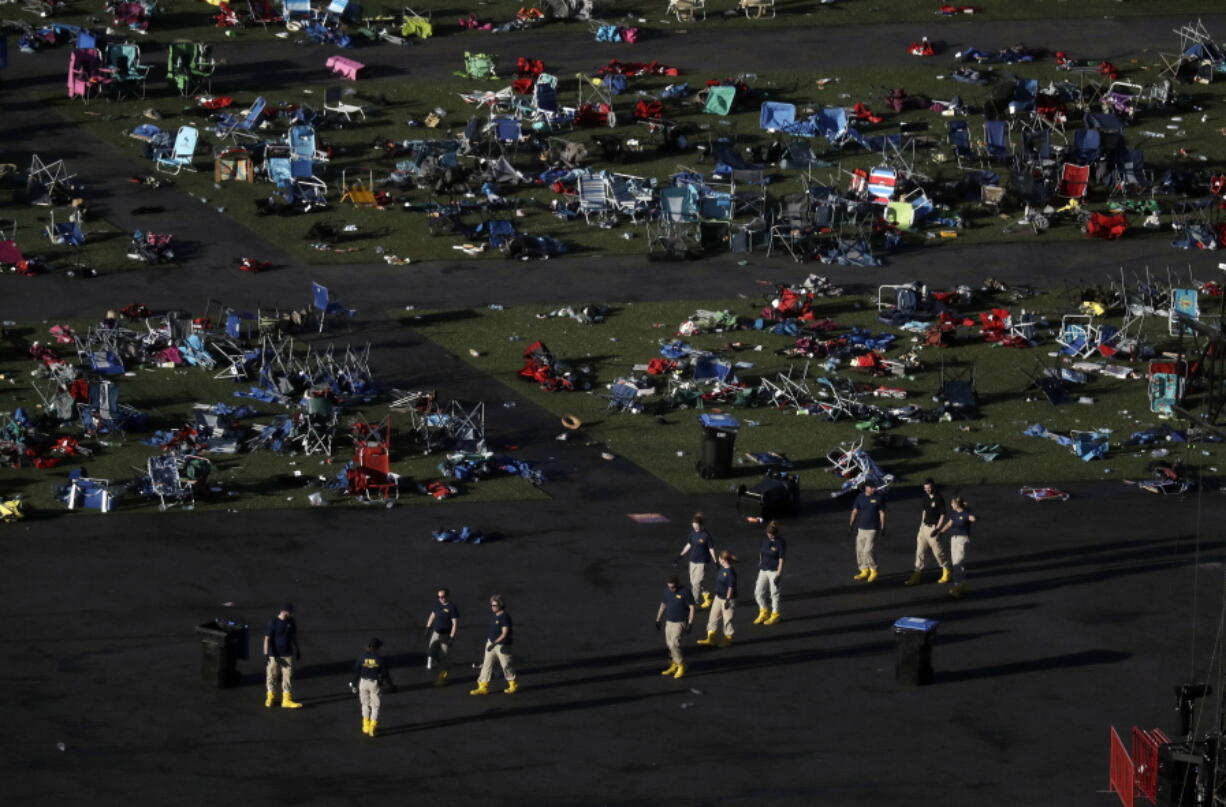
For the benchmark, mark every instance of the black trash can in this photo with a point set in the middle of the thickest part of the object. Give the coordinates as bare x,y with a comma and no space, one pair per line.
223,643
718,442
914,638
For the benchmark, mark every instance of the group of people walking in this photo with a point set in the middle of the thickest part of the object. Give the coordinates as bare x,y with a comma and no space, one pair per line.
677,609
370,672
679,605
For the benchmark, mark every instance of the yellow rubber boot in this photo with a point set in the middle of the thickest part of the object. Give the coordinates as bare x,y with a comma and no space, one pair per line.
483,688
270,699
944,575
726,641
707,599
709,641
365,725
862,575
774,618
287,702
441,681
373,725
872,575
913,579
763,614
672,668
512,687
680,671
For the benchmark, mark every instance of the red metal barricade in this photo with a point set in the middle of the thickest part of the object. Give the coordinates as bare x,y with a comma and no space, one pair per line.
1145,759
1122,775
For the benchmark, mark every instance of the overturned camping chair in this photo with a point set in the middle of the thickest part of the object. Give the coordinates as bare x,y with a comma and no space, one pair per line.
478,65
854,465
326,305
87,493
719,101
1166,386
371,474
167,483
334,102
233,127
758,9
180,155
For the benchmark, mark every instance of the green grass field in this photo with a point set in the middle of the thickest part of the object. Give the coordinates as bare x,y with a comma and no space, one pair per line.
194,19
392,103
261,479
668,446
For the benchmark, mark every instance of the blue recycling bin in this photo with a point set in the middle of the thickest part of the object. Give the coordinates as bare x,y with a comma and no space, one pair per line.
914,637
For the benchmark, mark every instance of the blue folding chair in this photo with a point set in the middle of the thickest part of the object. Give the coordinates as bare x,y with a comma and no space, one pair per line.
232,127
996,140
323,302
180,155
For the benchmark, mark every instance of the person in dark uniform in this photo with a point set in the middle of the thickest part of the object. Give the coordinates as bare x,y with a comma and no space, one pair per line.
868,520
700,552
280,651
497,650
958,525
929,536
725,602
370,676
676,616
441,625
771,554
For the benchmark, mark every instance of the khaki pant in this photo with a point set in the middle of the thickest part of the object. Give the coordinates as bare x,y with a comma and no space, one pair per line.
280,667
767,581
957,548
672,640
928,538
438,649
500,654
864,549
721,614
697,572
368,694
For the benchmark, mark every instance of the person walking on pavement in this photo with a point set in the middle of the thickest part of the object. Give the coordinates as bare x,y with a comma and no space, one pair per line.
676,616
928,538
700,552
725,602
370,676
441,625
280,651
770,568
497,650
958,525
868,520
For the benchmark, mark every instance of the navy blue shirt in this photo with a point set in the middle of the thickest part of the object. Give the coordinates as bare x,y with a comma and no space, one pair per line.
869,507
934,509
282,636
961,522
700,547
443,615
771,552
372,667
725,581
677,604
499,622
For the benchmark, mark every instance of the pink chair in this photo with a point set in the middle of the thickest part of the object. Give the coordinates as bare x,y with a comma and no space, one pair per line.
86,73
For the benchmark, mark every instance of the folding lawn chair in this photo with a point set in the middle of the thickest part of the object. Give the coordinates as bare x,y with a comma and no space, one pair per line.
87,493
1087,146
687,10
1185,305
234,127
882,182
65,233
757,9
166,483
1078,335
960,141
479,66
301,139
719,101
594,199
1165,387
190,67
957,391
334,102
996,141
359,195
180,155
325,304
